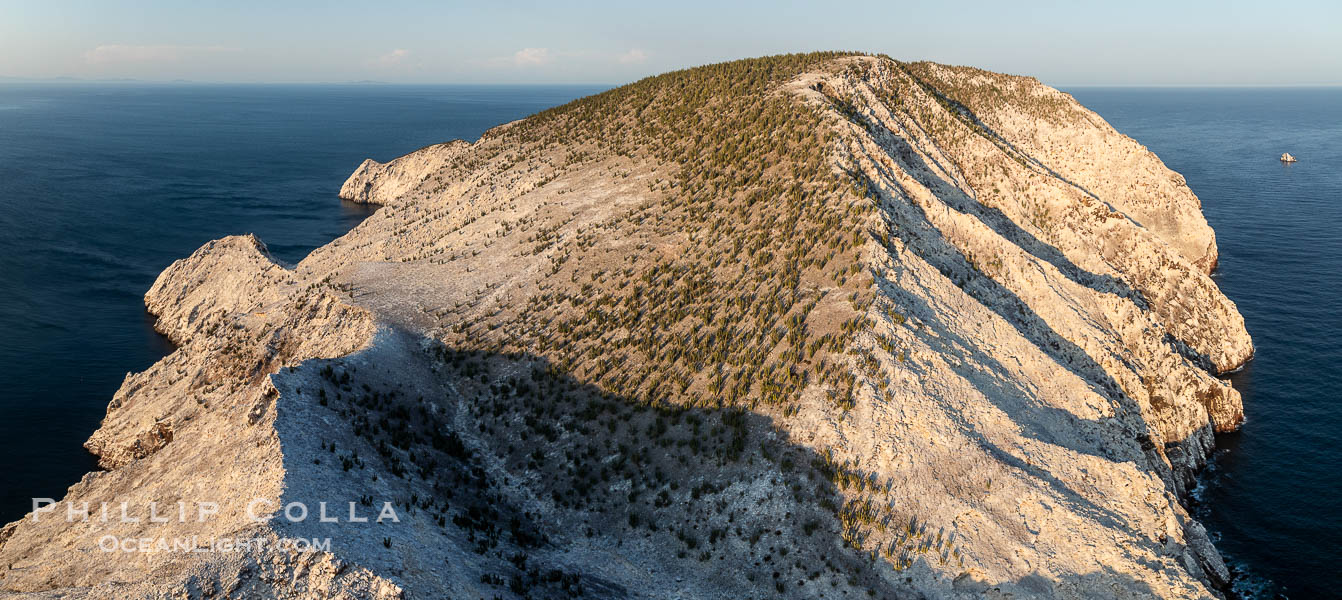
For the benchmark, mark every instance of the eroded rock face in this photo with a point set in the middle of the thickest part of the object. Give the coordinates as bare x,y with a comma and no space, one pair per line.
1014,410
388,184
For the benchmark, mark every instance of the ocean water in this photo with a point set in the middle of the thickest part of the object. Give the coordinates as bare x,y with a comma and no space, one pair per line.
103,186
1273,495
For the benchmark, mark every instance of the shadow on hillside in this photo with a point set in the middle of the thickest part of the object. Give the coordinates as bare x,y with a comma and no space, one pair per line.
997,139
471,444
1000,223
907,155
944,255
904,153
1106,583
1038,421
719,498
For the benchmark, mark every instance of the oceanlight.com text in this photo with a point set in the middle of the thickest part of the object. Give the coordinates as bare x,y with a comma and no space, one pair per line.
193,544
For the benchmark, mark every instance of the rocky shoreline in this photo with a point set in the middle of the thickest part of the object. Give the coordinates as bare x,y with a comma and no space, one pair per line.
954,337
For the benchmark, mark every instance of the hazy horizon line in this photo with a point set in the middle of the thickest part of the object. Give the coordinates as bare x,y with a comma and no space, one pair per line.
125,80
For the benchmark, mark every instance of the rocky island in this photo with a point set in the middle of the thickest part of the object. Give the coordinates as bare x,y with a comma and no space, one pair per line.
807,326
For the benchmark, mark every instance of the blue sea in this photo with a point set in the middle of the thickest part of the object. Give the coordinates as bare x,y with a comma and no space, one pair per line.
102,186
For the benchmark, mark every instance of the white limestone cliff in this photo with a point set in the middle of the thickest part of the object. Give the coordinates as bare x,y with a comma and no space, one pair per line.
1035,383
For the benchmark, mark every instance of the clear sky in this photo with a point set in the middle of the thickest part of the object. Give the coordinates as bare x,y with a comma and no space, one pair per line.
1132,42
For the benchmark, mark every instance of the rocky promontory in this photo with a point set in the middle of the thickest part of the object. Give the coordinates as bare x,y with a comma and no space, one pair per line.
821,325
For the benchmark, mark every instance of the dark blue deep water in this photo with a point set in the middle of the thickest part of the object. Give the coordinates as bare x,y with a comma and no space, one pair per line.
102,186
1273,496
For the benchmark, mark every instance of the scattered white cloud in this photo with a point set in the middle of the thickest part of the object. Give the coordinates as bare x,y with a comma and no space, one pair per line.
536,57
532,57
124,53
634,56
391,59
